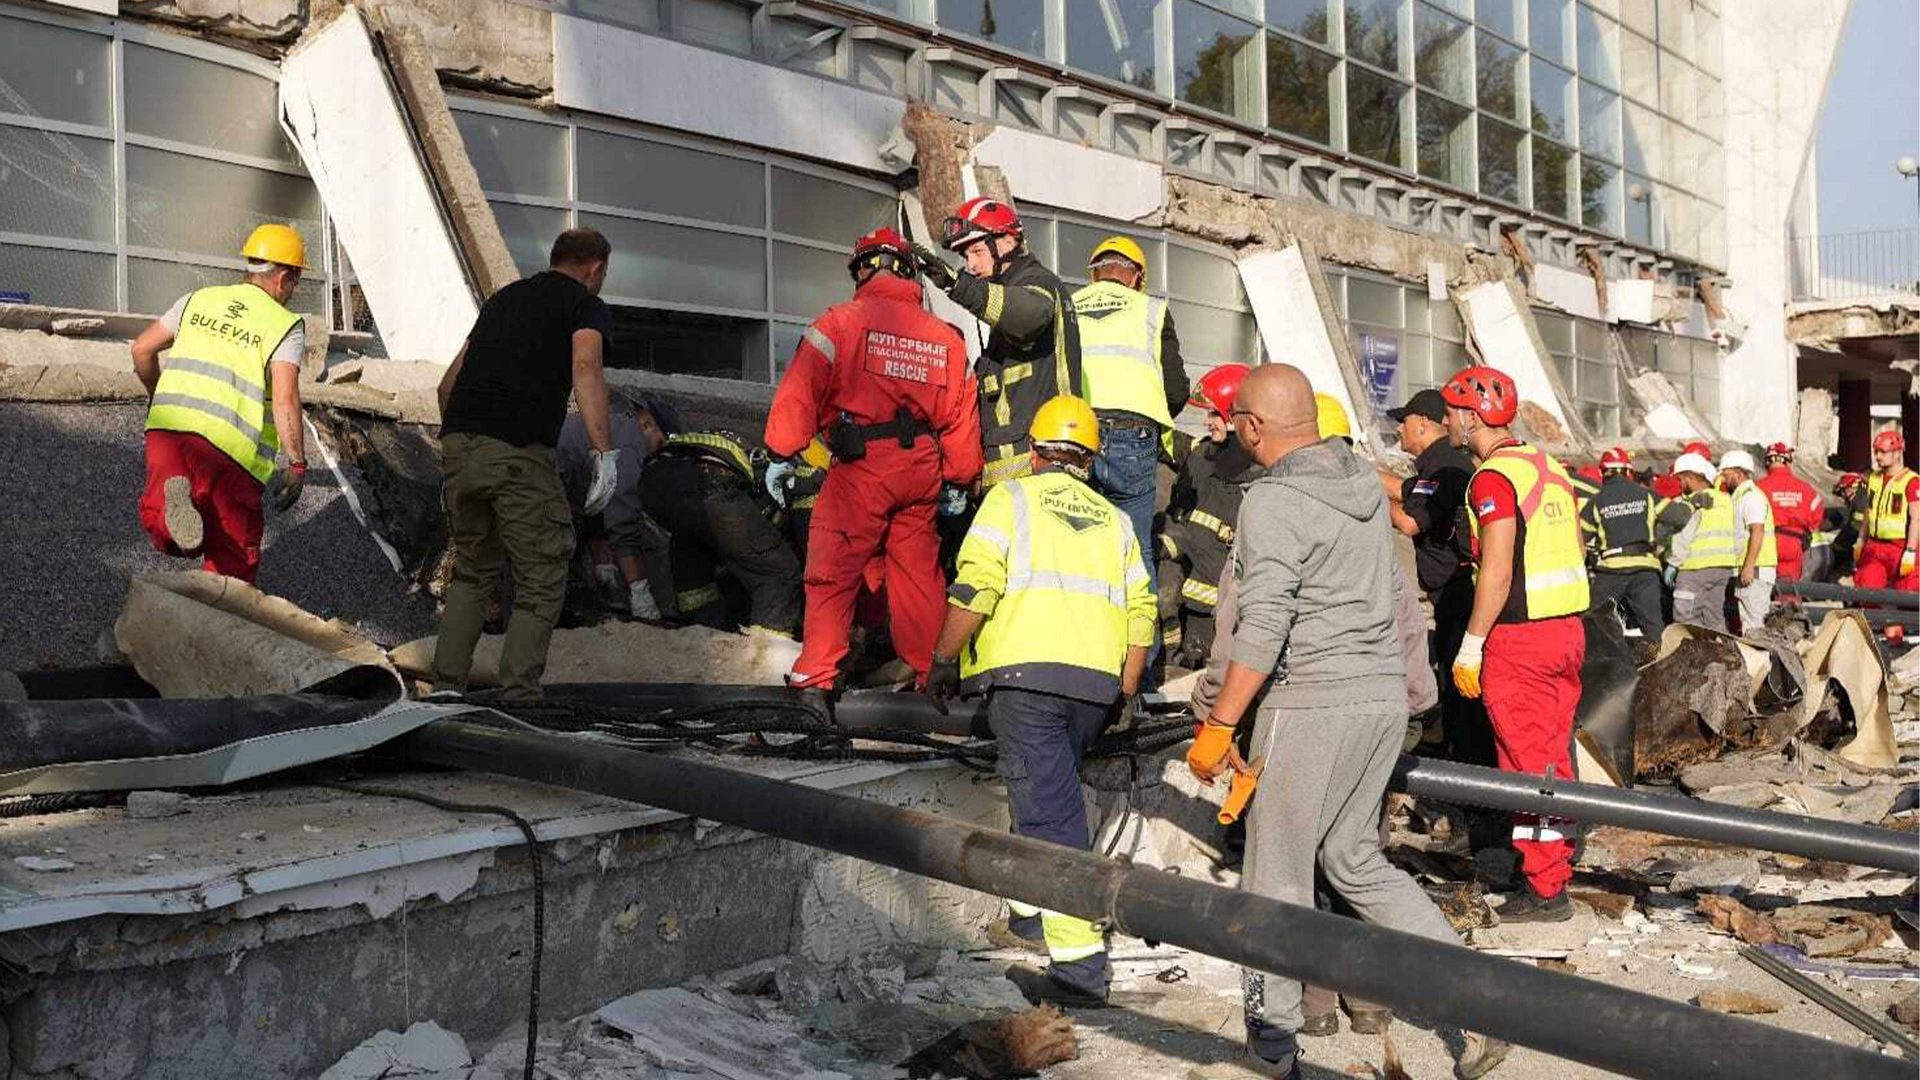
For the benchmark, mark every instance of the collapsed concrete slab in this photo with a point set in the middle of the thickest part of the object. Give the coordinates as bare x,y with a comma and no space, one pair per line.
1501,324
1300,326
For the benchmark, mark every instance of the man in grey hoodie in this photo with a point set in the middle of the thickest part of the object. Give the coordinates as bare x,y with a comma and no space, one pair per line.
1312,576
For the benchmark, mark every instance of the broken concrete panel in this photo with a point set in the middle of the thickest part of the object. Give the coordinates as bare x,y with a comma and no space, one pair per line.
40,317
248,20
1824,324
69,383
1355,240
1043,169
1668,413
1817,429
1219,214
633,652
354,141
1502,327
1299,326
940,146
1571,291
395,473
498,46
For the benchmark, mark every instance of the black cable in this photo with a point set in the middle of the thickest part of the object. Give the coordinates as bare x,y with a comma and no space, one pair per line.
539,890
60,802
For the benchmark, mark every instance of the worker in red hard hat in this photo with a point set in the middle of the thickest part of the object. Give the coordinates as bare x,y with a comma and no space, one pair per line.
1884,556
1525,641
1032,352
1797,509
1212,474
886,386
1623,524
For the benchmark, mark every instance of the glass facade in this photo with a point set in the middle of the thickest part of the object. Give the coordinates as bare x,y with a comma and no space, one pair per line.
1402,342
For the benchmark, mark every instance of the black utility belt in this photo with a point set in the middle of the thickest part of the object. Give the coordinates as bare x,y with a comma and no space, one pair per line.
1638,547
1126,420
848,440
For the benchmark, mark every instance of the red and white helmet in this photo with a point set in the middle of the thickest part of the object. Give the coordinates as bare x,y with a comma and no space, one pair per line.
1890,440
1616,458
1779,452
884,248
1488,392
1847,483
977,219
1218,388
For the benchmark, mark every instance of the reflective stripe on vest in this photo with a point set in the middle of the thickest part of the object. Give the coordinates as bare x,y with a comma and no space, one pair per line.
718,447
1554,556
1769,546
1887,505
1200,592
214,382
1212,524
1120,350
1715,544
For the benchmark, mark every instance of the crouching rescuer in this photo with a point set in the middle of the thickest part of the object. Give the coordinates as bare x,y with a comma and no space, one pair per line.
1051,615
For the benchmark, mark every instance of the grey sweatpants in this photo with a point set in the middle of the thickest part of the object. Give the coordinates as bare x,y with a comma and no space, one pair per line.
1319,801
1755,601
1700,597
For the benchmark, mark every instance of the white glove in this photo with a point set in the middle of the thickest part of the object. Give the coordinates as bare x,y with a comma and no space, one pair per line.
953,501
1467,663
640,602
779,475
606,470
610,580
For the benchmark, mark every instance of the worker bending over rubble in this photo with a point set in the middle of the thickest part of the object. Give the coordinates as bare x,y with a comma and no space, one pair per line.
619,539
502,404
1212,474
1050,615
222,406
1702,555
1889,521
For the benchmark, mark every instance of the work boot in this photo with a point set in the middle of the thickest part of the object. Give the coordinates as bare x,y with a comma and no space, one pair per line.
1527,906
1003,936
1326,1023
1482,1055
1039,987
1369,1021
184,526
1248,1064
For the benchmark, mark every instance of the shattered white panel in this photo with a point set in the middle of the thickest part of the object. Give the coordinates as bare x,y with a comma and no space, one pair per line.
1568,290
1291,326
1669,422
98,7
354,142
1500,328
1043,169
607,69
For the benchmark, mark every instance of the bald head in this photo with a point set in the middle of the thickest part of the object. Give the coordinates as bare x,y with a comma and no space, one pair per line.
1277,412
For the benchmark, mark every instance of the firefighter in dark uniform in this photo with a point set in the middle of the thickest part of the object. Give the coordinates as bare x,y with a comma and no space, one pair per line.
705,489
1198,535
1620,522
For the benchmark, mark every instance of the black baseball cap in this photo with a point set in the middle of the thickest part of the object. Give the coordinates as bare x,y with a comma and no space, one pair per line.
1427,403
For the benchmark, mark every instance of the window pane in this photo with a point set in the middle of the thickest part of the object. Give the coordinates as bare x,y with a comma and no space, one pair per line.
1599,48
644,14
1599,196
1639,207
1298,90
55,73
674,263
1204,276
1214,59
1373,302
1599,121
1639,68
517,157
1373,115
1020,25
805,205
153,286
56,185
1676,27
1500,160
1308,18
1373,32
61,278
1113,39
170,96
1440,60
1500,16
1642,140
1638,14
1446,142
806,281
1596,383
1210,336
1552,184
674,180
722,24
1556,331
1547,29
689,343
1445,320
179,203
1676,87
1499,77
1590,339
1551,91
529,232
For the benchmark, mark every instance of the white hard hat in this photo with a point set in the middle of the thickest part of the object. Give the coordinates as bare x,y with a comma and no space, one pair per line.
1693,463
1737,459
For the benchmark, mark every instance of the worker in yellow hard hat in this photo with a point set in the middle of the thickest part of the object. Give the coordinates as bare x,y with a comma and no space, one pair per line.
1051,614
222,406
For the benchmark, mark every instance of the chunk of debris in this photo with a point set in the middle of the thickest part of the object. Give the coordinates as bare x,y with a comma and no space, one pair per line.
1819,930
147,805
1464,903
1905,1011
1685,964
1736,1002
1728,915
43,865
424,1049
1018,1045
1612,905
1716,875
77,327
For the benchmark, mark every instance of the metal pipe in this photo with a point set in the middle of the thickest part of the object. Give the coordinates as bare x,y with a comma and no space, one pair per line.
1831,1000
1578,1019
1820,590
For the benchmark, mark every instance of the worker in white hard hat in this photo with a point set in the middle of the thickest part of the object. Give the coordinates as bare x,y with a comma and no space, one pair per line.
1753,537
1702,555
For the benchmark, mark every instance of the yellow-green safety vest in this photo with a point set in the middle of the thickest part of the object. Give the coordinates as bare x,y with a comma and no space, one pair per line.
1769,548
1886,513
1120,350
215,381
1715,546
1553,554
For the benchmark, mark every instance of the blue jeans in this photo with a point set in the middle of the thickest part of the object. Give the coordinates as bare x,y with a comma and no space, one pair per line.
1127,472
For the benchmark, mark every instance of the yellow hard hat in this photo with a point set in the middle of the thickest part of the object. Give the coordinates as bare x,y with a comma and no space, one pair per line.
1122,246
816,454
276,244
1332,416
1067,419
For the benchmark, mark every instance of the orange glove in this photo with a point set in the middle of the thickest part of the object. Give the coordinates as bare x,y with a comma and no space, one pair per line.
1466,665
1906,562
1209,755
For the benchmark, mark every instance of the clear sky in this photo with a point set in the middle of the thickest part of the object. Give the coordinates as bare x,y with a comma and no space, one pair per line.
1871,117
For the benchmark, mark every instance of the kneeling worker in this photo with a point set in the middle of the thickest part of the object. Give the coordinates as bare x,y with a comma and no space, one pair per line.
1050,613
1213,475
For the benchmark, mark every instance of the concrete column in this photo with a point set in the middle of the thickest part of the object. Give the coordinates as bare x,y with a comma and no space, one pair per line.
1854,403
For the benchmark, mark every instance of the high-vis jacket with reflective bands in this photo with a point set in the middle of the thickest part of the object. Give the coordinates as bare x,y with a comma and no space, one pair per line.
718,447
1886,515
1620,518
1714,545
1201,510
1058,574
1550,566
1120,335
1769,546
1032,355
214,383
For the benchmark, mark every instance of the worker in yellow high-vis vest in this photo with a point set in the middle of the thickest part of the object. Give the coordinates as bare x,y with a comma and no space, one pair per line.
223,404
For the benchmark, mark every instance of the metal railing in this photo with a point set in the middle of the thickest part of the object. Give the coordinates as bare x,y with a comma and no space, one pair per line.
1842,266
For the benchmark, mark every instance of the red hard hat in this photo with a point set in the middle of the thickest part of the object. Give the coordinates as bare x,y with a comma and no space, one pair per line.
1780,450
1615,458
1890,440
977,219
1698,446
884,246
1487,391
1847,480
1219,387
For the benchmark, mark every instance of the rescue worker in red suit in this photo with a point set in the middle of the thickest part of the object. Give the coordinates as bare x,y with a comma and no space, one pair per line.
1797,509
886,386
1890,523
1525,642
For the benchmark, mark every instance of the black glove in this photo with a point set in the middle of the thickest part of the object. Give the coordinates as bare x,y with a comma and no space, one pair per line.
287,485
943,681
934,267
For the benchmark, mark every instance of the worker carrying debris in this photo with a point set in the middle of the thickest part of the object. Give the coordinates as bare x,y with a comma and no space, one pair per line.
887,386
1702,556
1622,523
1213,473
502,404
1313,579
1797,510
619,539
1525,643
1051,616
1032,353
222,407
1884,557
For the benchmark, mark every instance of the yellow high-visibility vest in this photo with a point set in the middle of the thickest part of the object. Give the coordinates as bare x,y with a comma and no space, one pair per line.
1715,545
1551,553
214,384
1769,547
1886,514
1120,350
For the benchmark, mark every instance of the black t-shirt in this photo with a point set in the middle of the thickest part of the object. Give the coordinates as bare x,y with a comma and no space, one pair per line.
514,383
1435,498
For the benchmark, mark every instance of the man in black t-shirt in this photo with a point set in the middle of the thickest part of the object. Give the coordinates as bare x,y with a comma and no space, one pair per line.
502,404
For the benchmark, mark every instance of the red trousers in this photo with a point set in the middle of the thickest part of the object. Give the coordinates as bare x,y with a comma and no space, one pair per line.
1878,567
1791,555
880,506
227,496
1530,681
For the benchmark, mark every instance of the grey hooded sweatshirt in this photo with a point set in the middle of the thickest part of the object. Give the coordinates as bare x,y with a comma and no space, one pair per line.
1313,578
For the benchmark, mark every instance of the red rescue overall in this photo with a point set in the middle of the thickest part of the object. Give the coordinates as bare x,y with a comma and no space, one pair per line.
1797,510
